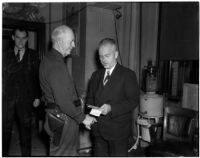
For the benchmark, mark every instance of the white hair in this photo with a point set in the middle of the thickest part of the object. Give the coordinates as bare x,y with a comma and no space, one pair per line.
59,33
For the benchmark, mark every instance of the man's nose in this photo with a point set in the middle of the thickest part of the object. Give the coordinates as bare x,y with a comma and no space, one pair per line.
21,40
103,60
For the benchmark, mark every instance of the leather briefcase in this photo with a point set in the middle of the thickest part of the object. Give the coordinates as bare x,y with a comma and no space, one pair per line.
56,122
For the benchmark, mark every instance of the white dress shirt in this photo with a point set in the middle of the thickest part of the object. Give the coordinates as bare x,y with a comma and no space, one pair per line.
110,71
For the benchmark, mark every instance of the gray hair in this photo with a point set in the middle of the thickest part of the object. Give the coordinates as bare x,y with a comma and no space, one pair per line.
59,33
108,41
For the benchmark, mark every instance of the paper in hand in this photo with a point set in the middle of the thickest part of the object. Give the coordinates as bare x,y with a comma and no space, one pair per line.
96,111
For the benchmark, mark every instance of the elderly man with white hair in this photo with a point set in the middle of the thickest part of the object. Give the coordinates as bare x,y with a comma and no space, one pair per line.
58,88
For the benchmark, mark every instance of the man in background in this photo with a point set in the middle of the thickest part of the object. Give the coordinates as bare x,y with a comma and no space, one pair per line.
114,91
58,88
20,90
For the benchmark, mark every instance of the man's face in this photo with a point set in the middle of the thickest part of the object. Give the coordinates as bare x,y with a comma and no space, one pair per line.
20,38
108,55
68,43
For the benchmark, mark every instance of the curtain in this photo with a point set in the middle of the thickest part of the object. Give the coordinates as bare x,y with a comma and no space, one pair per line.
130,37
129,43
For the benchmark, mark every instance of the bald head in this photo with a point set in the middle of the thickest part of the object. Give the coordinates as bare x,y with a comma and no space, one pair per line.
63,39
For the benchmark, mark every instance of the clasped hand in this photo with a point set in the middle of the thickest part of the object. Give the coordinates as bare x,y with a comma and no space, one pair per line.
88,121
105,109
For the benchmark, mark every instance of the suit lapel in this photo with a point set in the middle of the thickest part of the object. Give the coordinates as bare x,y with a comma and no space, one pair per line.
112,81
12,56
25,54
113,75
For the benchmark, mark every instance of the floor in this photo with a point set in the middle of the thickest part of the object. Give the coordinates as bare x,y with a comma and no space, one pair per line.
39,145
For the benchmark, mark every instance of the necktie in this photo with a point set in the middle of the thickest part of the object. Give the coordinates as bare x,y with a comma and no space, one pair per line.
106,78
18,55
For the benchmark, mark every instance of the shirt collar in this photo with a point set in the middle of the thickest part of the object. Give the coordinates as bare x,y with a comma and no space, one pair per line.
110,70
58,54
21,50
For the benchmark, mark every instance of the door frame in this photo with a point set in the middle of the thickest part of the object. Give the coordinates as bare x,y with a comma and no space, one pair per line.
37,27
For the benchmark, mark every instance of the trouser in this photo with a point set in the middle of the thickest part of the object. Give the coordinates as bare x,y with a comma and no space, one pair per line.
69,142
105,148
23,113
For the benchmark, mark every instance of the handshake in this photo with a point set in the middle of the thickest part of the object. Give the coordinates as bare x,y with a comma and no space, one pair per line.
96,111
88,121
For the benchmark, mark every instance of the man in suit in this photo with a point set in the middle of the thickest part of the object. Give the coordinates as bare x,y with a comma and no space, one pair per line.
116,96
58,88
20,90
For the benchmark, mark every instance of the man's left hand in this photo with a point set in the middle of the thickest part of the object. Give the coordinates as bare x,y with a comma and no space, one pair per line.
105,109
36,103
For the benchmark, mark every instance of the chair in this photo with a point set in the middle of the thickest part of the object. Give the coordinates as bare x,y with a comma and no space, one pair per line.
177,136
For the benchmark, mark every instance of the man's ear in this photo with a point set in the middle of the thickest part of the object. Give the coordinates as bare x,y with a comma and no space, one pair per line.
116,54
13,38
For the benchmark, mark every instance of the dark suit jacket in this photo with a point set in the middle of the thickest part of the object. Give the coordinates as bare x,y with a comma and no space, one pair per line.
122,93
57,85
21,78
